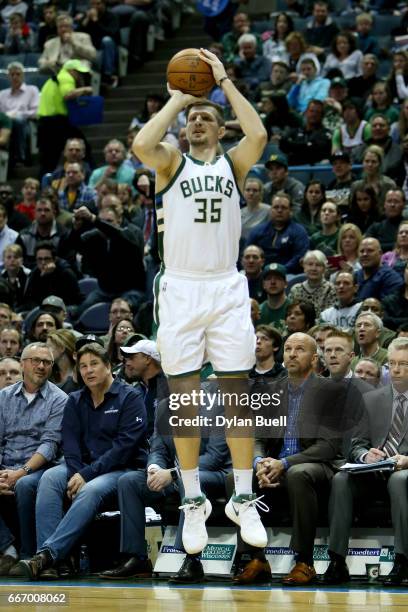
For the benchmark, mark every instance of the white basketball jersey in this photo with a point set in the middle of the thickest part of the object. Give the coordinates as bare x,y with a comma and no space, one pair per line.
199,219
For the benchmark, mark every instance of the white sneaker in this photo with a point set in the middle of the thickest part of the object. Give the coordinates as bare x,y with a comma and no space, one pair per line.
241,509
196,512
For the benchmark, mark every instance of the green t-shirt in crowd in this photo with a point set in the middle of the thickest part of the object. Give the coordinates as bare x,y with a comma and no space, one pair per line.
275,317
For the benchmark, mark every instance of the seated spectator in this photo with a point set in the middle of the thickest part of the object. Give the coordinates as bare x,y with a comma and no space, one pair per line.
361,86
399,129
402,331
374,279
15,273
364,208
274,47
268,345
30,191
381,104
12,7
19,38
348,247
354,131
365,41
54,127
344,312
48,26
120,309
142,363
369,371
386,231
279,118
115,169
376,439
132,211
367,328
152,104
20,103
241,24
339,189
76,192
300,317
136,16
273,309
396,305
120,332
313,200
5,315
74,152
107,246
44,227
11,342
255,210
315,289
333,104
7,235
10,372
41,325
251,67
97,453
312,142
56,306
296,46
309,85
344,56
102,25
326,239
16,220
397,82
62,345
277,168
282,240
321,29
30,441
380,136
50,276
372,175
255,312
68,45
375,306
278,83
398,257
138,489
252,262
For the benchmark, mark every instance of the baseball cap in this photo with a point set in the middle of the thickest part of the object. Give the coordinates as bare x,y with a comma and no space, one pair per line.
54,300
276,269
277,158
147,347
132,339
338,82
340,155
88,339
75,64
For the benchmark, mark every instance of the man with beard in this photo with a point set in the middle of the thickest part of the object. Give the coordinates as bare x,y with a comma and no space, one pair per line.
42,325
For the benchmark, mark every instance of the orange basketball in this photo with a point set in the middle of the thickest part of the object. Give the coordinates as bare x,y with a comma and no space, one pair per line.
188,73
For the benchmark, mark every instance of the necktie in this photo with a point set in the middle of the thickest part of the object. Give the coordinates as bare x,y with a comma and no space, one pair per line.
394,436
148,226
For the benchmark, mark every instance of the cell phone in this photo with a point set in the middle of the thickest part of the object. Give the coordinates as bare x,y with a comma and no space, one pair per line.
335,261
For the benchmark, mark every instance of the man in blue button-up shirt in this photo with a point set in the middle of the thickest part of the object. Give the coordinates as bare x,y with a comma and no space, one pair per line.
103,436
30,432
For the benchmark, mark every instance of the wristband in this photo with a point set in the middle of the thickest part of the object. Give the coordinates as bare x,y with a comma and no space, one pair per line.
222,79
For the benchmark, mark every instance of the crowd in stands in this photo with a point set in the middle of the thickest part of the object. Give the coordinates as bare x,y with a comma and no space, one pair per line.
326,260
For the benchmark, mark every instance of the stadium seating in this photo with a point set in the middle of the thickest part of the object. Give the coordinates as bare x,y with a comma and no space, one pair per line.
95,319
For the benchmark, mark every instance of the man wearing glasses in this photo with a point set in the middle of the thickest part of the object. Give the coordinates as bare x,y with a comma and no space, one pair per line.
30,431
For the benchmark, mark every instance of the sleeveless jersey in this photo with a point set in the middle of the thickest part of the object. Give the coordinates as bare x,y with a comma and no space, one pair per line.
199,218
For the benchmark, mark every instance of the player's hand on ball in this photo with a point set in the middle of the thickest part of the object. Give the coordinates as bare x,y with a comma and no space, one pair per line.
215,63
185,99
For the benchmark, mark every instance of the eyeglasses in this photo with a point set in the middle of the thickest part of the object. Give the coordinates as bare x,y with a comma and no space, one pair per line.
36,361
124,329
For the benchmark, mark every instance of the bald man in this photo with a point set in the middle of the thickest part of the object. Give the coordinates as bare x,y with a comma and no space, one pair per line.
375,280
301,456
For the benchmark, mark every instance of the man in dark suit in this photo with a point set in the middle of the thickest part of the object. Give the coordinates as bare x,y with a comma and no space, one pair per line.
301,456
383,433
137,490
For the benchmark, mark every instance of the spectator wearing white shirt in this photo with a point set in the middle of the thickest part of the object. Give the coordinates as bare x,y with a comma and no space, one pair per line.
7,235
20,103
344,56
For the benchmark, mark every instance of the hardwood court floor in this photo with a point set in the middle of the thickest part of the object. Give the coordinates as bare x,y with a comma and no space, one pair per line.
94,597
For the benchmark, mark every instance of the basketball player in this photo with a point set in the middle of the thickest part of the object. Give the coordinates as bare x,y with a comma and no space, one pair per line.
201,302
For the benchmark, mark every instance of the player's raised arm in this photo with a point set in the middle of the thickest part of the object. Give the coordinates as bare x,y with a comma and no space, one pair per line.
147,145
250,148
